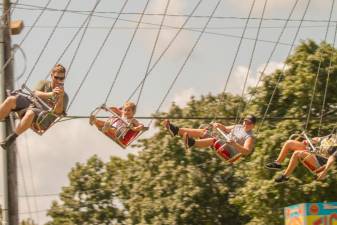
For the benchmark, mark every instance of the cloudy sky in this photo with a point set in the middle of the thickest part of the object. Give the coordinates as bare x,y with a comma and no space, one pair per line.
44,161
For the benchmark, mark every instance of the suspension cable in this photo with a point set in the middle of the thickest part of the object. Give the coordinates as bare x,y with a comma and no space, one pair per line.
250,62
46,43
262,73
187,58
82,37
239,46
97,54
35,7
35,22
153,50
284,66
318,70
327,78
84,25
127,50
167,47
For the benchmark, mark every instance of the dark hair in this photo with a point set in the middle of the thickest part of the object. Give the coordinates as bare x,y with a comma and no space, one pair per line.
251,118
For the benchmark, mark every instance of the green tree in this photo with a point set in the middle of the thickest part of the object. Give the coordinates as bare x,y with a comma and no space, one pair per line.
28,222
88,199
260,198
163,184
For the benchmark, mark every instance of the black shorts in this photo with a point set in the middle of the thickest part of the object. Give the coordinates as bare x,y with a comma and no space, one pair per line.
321,160
22,102
333,152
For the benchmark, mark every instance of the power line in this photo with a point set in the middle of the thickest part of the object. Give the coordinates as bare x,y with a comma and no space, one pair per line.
174,28
36,7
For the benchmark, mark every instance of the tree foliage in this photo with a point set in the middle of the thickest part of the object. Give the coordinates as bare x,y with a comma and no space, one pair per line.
164,184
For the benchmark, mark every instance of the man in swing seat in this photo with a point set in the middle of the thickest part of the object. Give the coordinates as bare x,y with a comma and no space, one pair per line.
241,143
317,164
51,92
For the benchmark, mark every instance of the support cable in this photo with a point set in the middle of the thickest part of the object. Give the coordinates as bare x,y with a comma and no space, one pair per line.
262,73
251,61
187,58
167,47
284,66
153,50
79,44
327,82
43,9
127,50
239,46
46,43
84,25
85,12
317,74
96,56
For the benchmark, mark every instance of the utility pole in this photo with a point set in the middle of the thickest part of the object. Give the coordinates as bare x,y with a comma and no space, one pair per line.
7,27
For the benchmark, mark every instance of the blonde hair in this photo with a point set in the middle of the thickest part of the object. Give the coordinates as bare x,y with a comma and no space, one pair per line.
131,105
59,68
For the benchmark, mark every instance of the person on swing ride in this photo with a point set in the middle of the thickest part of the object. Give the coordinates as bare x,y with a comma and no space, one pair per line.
127,113
320,164
289,145
242,138
51,92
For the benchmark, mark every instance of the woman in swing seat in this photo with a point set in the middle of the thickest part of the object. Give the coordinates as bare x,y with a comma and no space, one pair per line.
241,143
317,164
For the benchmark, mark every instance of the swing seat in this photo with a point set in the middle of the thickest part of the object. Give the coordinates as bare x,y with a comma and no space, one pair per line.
44,121
226,152
116,128
314,163
46,117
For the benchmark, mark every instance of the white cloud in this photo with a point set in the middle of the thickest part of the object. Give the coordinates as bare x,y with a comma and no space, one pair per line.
237,79
271,67
181,98
181,43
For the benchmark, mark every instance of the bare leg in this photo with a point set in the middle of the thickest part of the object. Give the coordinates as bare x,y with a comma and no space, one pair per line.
7,106
111,132
25,122
295,158
194,133
99,124
203,143
174,130
290,145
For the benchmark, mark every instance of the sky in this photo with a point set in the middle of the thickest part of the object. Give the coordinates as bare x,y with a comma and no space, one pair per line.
44,161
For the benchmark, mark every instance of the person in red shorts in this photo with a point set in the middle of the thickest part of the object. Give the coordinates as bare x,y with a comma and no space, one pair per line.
241,137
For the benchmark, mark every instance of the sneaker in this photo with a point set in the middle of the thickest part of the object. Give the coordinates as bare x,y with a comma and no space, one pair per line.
173,130
274,166
188,142
92,120
282,178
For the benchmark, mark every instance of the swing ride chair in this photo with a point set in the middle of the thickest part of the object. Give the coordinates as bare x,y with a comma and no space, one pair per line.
123,135
317,151
228,155
46,118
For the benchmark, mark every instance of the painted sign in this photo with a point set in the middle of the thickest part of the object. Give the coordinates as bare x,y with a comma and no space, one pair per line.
311,214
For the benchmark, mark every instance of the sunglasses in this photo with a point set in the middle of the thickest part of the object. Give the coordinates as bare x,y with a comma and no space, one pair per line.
59,78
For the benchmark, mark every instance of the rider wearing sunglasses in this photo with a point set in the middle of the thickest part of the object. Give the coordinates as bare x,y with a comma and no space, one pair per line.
51,92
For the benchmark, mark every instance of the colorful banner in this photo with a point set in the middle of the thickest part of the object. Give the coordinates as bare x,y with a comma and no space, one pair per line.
311,214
